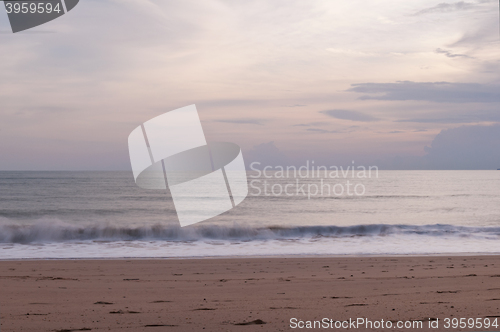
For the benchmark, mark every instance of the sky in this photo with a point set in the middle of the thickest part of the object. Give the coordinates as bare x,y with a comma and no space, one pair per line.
395,84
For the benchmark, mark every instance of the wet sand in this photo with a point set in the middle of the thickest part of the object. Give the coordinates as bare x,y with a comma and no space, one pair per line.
244,294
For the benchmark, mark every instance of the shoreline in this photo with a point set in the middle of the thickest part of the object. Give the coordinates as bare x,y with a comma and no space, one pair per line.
459,254
220,294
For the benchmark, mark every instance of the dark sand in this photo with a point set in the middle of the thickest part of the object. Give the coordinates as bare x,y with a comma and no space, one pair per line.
219,294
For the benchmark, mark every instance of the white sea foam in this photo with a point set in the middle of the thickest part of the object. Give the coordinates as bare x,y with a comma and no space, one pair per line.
49,239
46,231
373,245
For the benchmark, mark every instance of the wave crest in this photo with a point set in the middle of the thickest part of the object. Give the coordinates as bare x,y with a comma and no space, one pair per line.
54,231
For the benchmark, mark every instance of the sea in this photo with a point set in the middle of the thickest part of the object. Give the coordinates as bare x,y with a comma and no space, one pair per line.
76,215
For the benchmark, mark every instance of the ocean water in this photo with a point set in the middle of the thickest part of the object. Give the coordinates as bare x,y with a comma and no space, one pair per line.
105,215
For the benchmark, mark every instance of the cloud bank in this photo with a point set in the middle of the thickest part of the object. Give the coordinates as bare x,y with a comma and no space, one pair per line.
440,92
349,115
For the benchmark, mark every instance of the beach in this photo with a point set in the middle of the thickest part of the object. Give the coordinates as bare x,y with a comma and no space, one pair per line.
245,294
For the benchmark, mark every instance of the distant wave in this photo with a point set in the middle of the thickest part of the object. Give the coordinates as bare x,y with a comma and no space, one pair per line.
45,231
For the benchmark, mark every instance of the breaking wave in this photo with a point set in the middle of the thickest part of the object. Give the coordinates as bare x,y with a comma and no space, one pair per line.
55,231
